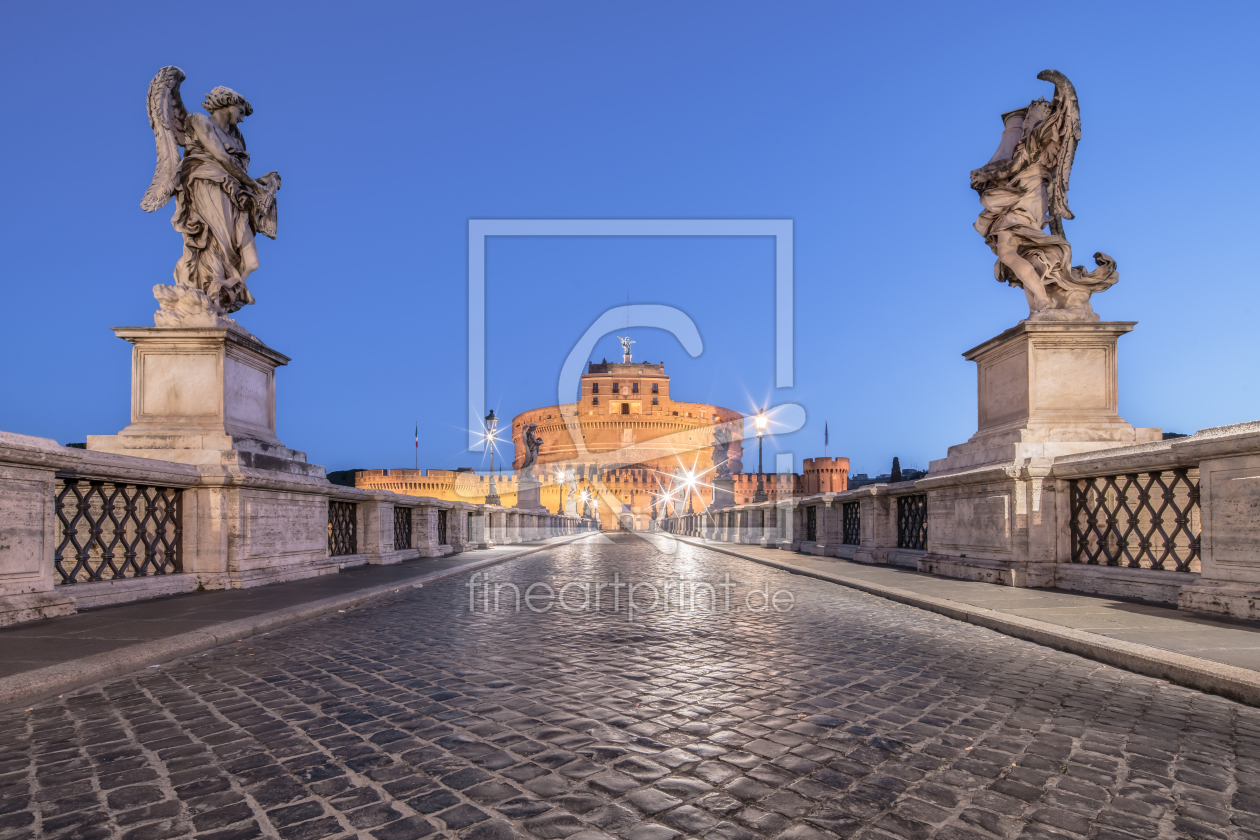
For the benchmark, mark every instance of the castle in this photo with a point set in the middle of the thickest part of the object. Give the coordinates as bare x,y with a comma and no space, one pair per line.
626,437
629,445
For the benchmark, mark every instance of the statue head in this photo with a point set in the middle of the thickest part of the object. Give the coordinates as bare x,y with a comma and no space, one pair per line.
225,97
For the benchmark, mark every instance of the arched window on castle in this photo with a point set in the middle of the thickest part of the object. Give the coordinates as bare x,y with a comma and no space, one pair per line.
594,400
594,387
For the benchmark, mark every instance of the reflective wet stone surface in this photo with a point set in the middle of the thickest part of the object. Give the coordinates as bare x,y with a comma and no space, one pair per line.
836,715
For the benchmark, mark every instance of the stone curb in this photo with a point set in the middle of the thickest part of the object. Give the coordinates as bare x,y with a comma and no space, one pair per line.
1240,684
42,683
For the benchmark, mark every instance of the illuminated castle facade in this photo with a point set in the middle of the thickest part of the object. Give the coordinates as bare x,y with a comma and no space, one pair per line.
626,439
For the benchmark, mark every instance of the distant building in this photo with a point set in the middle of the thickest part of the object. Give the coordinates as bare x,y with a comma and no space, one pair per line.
461,485
825,475
633,437
862,479
821,475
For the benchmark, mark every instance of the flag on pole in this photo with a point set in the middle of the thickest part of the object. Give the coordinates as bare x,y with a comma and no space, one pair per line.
417,444
826,439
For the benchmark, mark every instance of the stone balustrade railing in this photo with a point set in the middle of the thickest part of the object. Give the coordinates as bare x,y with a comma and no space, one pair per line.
1174,522
82,528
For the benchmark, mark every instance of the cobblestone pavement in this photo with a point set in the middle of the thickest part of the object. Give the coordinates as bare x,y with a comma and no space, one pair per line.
847,716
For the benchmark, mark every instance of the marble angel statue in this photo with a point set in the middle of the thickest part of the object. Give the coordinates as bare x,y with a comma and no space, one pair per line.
218,205
533,443
1023,189
721,451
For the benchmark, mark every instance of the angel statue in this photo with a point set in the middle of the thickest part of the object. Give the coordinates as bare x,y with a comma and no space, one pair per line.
532,444
721,451
218,206
626,341
1023,189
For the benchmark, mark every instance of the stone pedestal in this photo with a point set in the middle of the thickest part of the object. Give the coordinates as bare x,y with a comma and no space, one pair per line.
528,494
723,493
203,395
1045,389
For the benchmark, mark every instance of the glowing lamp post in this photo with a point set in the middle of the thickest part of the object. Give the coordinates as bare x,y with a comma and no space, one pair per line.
761,420
492,426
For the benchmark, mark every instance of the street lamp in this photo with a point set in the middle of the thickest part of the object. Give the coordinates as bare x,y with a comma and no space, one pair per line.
760,420
492,425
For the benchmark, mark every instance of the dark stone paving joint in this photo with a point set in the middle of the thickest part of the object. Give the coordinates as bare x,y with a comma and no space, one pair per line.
848,716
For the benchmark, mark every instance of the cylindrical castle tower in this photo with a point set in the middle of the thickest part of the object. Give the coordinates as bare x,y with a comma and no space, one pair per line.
826,475
626,438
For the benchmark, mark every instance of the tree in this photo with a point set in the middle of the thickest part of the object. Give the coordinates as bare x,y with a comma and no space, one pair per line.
896,470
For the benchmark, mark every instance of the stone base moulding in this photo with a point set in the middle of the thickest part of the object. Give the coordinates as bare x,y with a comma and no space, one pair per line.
107,592
1236,600
16,609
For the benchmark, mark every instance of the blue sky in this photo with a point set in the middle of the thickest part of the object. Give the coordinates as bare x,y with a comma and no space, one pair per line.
394,124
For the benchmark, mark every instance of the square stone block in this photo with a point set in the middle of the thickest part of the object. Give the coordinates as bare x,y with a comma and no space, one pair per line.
213,381
1044,389
203,395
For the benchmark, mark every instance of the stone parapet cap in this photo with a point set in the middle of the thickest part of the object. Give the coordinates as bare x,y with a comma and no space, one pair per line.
1142,457
1220,441
134,469
1216,442
45,453
900,488
970,475
861,492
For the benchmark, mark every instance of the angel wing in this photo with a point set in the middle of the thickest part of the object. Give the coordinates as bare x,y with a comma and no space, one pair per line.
166,118
1068,113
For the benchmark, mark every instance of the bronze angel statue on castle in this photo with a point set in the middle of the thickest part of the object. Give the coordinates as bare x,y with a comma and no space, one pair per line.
1023,189
218,205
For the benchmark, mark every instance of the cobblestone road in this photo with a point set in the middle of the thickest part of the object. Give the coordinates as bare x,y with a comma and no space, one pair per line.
847,716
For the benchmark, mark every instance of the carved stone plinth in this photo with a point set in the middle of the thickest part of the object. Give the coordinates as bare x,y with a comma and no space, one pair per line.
203,395
527,495
1046,389
723,493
